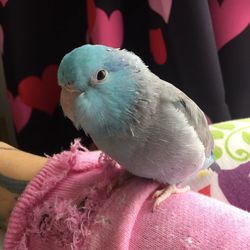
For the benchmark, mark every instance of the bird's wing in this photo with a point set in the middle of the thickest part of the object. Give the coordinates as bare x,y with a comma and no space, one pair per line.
193,114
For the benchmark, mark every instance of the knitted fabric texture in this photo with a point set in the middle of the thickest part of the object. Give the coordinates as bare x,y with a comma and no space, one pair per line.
73,204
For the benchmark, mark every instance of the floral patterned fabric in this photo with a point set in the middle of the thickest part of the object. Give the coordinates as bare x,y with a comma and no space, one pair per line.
231,183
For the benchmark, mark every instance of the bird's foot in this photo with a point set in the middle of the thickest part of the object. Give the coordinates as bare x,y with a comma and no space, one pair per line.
163,194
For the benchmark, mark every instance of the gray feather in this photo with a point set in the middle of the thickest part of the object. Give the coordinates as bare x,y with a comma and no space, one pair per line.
196,119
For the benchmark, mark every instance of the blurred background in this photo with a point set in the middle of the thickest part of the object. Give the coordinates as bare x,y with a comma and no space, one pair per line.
200,46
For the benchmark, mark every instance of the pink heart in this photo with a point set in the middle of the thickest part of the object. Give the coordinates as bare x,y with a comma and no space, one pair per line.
162,7
42,93
21,112
1,39
108,30
229,19
157,46
3,2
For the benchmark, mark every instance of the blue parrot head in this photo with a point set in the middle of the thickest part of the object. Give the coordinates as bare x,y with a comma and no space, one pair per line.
103,84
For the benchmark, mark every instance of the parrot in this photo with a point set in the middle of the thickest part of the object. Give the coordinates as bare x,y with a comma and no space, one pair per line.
149,126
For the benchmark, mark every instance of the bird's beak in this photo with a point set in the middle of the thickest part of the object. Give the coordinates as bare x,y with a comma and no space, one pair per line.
67,98
70,89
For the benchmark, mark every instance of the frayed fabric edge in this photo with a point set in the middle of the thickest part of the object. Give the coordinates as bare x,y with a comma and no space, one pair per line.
41,184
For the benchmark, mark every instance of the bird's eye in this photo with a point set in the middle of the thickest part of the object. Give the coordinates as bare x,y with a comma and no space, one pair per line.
101,75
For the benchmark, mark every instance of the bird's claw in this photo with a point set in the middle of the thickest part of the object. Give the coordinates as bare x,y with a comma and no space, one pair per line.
163,194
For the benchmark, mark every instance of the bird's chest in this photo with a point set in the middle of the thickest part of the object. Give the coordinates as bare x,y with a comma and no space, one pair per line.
118,148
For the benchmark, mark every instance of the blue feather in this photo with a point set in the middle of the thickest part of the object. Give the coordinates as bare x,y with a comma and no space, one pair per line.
209,161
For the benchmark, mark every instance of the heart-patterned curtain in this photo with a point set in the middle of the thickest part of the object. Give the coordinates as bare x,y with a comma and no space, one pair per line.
202,47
